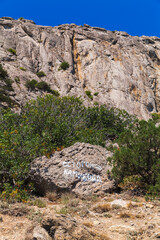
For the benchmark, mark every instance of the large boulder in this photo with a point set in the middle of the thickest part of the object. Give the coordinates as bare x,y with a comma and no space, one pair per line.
81,169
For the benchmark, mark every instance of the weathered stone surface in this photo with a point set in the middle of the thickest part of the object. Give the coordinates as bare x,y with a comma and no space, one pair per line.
123,69
120,202
123,229
81,168
37,233
65,227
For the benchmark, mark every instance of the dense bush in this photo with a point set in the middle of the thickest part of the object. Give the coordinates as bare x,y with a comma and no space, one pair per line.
55,92
64,66
31,85
43,86
89,94
96,94
45,125
138,156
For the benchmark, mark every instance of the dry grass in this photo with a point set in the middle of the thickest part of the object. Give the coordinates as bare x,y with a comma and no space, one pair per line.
99,236
52,196
139,216
130,205
37,202
109,199
88,224
116,206
29,232
126,215
93,198
102,207
134,204
66,197
107,215
73,203
18,210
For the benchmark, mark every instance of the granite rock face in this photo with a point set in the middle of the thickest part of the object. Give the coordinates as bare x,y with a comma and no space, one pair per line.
123,70
81,169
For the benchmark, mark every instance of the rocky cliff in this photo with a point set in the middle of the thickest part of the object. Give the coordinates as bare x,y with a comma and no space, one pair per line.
119,70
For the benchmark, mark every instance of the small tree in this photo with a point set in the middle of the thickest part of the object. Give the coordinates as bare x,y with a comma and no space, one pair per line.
139,155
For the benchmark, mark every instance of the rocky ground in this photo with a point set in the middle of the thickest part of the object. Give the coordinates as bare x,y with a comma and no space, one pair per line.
114,216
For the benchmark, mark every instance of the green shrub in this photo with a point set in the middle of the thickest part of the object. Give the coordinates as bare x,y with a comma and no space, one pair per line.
54,92
17,79
21,18
138,156
5,87
40,74
64,65
8,85
43,86
37,202
11,50
31,85
4,98
3,73
22,68
96,103
96,94
88,93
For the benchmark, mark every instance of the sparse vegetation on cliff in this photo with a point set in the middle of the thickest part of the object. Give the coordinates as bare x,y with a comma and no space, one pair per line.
5,88
40,74
89,94
22,68
64,65
43,86
11,50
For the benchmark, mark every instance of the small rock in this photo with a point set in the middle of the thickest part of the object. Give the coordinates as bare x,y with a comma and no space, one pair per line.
37,233
151,226
122,229
157,235
119,202
149,206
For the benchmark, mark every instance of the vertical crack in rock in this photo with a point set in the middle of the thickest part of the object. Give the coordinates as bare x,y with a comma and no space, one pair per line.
76,56
72,53
155,94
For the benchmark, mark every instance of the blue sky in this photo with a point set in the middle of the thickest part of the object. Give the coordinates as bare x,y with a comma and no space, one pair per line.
138,17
